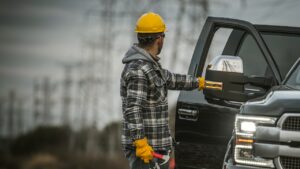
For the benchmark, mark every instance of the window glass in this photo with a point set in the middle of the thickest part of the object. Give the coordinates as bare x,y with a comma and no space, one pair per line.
217,45
253,60
285,50
294,79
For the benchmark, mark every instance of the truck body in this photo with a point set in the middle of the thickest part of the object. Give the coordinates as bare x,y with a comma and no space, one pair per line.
255,121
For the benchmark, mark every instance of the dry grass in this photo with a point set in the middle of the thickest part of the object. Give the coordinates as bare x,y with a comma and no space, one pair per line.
44,161
49,148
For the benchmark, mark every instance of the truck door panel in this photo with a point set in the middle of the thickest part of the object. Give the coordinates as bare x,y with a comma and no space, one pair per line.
202,140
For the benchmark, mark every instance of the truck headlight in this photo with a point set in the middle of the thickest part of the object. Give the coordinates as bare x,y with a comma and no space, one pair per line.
245,127
248,126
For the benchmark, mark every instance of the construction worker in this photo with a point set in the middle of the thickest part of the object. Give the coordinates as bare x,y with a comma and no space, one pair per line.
144,90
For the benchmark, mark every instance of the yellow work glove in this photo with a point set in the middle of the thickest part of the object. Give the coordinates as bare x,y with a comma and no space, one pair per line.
201,81
143,150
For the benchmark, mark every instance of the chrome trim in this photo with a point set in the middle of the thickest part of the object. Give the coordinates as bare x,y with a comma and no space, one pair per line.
284,117
188,114
276,134
277,163
274,150
280,124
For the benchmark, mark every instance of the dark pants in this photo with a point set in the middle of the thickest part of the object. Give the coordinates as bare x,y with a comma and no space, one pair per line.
136,163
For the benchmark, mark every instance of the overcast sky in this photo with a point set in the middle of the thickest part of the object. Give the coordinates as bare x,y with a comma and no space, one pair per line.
37,36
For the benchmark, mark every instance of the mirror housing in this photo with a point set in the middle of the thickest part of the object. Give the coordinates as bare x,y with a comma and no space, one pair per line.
228,70
232,88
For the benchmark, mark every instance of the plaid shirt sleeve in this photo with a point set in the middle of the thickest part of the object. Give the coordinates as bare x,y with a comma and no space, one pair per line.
180,82
137,88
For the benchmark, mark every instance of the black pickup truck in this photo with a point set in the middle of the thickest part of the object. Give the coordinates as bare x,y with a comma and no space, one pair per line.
254,121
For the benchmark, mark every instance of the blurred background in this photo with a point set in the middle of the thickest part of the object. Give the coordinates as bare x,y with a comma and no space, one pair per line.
61,64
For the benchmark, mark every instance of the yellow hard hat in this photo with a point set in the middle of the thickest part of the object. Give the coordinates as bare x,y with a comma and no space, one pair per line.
150,23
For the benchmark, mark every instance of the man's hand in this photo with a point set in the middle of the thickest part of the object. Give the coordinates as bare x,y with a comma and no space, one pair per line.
143,150
201,81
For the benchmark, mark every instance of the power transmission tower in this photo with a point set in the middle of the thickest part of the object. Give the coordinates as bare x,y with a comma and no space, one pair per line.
47,103
178,32
11,113
66,97
2,116
36,103
96,81
20,116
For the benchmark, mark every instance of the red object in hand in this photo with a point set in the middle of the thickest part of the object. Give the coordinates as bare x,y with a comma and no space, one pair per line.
166,158
172,163
156,155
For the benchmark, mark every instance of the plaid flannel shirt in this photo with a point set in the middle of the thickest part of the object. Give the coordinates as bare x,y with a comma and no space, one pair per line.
144,90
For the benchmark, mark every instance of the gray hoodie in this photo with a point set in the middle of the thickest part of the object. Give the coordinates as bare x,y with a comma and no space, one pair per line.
137,53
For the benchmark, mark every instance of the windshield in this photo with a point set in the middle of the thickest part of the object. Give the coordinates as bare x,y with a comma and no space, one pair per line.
294,79
284,48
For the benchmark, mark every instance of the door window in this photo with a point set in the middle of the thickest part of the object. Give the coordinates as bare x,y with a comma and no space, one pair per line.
253,60
284,48
217,45
294,80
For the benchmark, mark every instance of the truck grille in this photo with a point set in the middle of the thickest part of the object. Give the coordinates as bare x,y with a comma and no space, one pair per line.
290,162
291,123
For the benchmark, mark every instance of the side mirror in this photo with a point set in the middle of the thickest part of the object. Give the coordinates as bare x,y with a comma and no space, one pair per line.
227,73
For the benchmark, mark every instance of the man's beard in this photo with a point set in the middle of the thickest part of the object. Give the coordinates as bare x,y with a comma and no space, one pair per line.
160,46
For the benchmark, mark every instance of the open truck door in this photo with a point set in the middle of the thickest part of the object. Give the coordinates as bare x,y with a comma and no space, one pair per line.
204,119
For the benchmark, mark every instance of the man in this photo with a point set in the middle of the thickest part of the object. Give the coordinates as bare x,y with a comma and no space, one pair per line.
144,85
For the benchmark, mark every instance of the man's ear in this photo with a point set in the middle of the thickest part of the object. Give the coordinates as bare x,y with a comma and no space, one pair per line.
156,42
159,40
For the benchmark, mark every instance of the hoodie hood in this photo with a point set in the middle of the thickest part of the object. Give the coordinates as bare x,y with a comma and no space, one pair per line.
137,53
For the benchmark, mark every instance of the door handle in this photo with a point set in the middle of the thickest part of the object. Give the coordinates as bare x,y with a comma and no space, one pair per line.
188,114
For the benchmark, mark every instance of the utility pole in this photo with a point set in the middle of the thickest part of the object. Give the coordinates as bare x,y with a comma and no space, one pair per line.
36,103
178,32
91,145
20,116
66,98
97,81
11,113
2,116
111,141
47,102
86,88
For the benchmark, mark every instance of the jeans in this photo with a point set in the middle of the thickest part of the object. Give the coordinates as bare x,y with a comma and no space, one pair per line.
136,163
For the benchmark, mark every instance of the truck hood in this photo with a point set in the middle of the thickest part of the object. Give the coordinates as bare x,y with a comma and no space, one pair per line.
276,102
